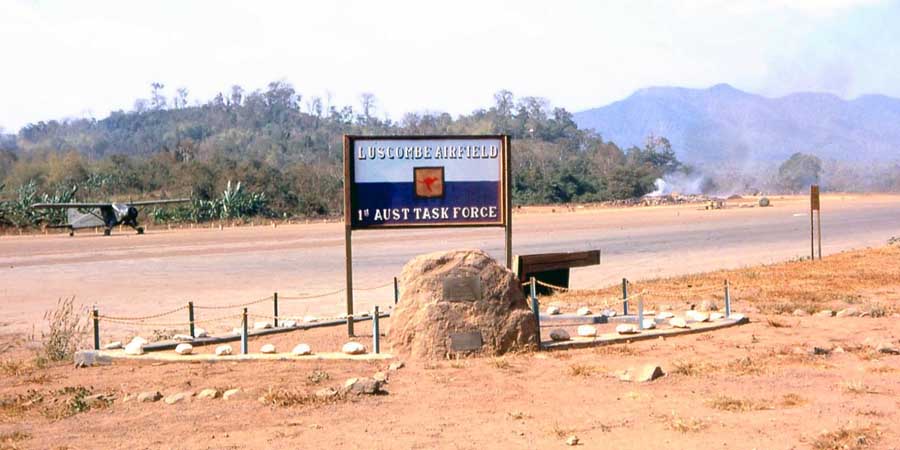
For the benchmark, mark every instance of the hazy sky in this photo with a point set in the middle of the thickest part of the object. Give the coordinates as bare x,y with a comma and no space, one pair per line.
85,58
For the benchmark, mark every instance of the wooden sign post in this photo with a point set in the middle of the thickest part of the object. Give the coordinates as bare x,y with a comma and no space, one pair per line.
815,222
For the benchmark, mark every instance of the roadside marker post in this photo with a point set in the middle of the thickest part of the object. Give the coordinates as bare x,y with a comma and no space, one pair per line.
96,317
641,313
727,299
191,318
536,309
815,222
376,335
244,339
624,297
275,308
396,291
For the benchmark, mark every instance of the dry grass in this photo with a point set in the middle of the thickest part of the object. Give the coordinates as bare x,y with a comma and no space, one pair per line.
67,329
880,369
317,377
561,432
685,424
857,387
287,398
581,370
787,286
847,438
500,363
789,400
731,404
11,439
691,368
13,367
747,366
775,323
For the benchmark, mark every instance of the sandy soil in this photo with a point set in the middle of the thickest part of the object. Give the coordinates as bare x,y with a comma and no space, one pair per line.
129,275
751,386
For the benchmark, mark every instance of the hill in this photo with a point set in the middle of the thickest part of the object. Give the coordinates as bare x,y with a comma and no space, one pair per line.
723,123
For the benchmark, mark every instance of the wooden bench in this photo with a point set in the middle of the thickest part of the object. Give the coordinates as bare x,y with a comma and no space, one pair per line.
552,268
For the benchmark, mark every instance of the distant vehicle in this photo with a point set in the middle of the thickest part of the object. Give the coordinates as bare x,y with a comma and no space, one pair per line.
106,215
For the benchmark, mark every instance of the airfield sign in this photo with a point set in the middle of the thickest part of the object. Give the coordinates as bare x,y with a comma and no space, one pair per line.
399,182
403,182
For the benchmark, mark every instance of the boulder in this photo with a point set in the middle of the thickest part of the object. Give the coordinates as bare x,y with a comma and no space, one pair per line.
231,394
149,396
89,358
264,325
648,324
648,373
824,313
224,350
287,323
267,348
114,345
626,328
678,322
184,349
310,319
363,386
396,365
587,330
353,348
485,305
552,310
886,347
799,313
665,315
610,313
139,339
583,311
200,332
182,337
708,305
847,312
380,376
572,440
561,335
716,316
302,350
134,348
208,393
326,393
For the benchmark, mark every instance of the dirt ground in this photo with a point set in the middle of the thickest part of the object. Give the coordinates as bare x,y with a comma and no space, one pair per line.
758,386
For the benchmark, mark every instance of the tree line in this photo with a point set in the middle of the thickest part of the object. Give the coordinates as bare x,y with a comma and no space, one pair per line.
286,152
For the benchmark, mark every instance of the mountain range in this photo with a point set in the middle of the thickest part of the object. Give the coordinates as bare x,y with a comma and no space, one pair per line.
723,123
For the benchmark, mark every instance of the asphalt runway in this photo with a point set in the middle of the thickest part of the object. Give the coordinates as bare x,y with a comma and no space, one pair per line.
131,275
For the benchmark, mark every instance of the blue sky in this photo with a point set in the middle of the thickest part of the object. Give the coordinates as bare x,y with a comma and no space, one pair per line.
83,59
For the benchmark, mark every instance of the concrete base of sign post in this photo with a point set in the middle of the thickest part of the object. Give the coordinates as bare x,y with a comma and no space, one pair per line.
210,358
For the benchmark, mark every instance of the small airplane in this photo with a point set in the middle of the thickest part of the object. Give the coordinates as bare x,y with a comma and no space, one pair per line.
106,215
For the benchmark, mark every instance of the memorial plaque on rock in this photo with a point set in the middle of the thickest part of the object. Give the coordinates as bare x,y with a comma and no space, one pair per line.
471,341
462,289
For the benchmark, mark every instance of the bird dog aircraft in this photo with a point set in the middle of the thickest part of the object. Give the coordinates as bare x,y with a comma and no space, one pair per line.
106,215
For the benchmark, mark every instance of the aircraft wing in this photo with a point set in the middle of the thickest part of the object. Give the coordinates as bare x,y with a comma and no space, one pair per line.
159,202
70,205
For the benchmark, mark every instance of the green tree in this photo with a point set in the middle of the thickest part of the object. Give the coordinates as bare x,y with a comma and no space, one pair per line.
799,171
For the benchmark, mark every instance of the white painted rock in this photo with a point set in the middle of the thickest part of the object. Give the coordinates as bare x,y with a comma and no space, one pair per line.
824,313
609,313
184,349
177,398
587,331
583,311
716,316
396,365
626,328
287,323
231,394
561,335
707,305
134,348
139,340
208,393
237,330
261,325
648,373
302,350
678,322
649,324
310,319
200,332
114,345
665,315
267,348
697,316
353,348
552,310
848,312
223,350
182,337
799,313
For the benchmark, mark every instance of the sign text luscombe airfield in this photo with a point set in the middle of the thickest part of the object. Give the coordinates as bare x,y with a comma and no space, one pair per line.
415,182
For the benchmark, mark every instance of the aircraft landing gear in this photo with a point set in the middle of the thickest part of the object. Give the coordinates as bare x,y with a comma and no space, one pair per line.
71,233
140,230
106,231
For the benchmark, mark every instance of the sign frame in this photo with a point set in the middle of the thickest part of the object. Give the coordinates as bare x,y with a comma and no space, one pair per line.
504,198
